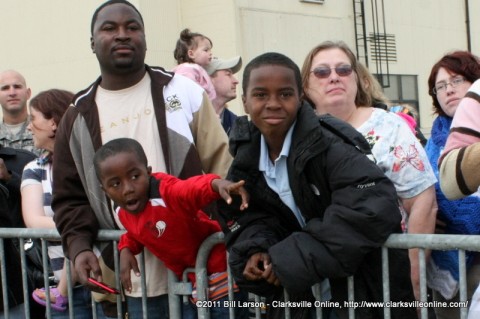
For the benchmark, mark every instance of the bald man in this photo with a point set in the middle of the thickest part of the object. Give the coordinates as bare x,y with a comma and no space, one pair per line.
14,95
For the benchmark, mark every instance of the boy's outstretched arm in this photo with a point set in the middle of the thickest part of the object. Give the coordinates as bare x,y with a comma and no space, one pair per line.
224,188
127,263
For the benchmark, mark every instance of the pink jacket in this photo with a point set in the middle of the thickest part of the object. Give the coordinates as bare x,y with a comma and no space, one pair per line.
198,74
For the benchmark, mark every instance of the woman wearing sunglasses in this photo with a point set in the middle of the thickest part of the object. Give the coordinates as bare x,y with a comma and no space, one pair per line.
332,84
449,81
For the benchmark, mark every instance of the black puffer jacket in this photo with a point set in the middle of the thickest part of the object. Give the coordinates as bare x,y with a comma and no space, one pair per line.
11,216
350,208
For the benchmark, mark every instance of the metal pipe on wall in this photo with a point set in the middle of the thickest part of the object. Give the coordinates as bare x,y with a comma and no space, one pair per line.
467,22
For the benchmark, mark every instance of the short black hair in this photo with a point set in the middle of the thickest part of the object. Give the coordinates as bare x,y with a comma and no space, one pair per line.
110,2
271,58
116,146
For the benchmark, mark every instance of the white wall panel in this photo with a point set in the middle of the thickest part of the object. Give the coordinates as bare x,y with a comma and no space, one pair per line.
48,40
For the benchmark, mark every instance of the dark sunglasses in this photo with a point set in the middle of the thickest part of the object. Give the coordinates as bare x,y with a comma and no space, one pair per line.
323,72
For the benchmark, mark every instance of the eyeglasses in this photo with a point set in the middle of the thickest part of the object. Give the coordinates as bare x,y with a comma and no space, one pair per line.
442,86
323,72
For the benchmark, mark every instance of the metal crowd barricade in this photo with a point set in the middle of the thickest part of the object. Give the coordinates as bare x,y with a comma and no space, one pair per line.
437,242
21,234
179,290
404,241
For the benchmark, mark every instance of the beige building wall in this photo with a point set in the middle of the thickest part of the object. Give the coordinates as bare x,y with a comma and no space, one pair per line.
425,31
49,40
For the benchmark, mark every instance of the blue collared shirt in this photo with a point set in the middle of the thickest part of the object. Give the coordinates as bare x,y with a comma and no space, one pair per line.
276,174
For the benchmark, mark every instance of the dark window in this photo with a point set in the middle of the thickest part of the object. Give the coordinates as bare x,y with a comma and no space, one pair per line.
402,89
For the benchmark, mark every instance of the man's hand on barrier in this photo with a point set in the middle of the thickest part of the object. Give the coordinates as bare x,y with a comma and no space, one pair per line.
128,262
86,265
256,265
270,276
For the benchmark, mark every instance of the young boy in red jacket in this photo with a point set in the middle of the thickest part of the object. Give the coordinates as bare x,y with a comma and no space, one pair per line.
163,213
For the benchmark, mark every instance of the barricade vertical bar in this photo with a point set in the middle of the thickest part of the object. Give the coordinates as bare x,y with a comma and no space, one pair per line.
287,309
258,313
351,297
185,298
202,290
143,280
46,281
201,274
4,279
23,263
173,298
231,295
463,282
69,287
423,281
94,308
317,293
386,281
116,262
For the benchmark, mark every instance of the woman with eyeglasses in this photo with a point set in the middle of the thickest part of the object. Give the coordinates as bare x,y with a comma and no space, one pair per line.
332,84
449,81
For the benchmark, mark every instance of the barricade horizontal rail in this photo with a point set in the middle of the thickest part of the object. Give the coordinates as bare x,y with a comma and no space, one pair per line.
434,242
178,289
